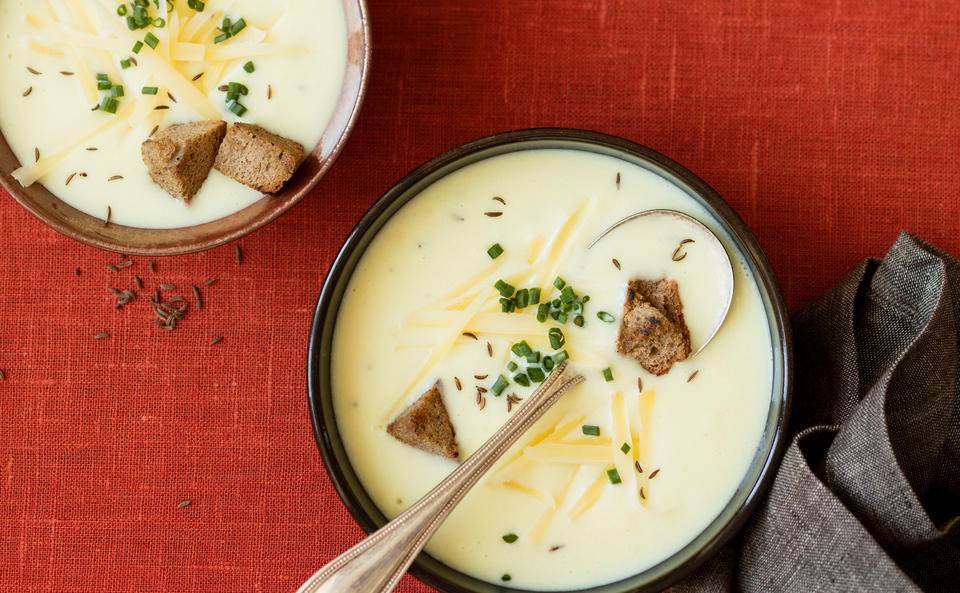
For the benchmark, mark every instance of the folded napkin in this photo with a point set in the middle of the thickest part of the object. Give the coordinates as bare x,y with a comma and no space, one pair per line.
867,497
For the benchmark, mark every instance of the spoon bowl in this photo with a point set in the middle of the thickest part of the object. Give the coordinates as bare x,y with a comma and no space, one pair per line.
726,272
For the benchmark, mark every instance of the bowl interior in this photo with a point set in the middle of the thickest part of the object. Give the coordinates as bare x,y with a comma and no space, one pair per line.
724,222
139,241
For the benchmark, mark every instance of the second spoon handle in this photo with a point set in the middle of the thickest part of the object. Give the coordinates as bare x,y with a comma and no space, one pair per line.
376,564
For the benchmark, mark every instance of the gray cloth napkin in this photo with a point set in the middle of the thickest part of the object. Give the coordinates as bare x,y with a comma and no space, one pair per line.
867,497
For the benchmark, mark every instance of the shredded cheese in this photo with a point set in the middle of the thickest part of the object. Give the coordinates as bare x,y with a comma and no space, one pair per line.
563,453
541,495
589,497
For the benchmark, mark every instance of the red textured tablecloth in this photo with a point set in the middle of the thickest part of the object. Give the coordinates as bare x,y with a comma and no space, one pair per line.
829,126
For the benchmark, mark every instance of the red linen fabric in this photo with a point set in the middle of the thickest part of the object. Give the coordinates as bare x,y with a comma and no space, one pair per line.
829,126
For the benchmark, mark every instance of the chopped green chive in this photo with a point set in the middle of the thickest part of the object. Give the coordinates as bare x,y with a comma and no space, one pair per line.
534,296
559,283
495,250
149,90
521,349
523,298
504,289
561,317
505,578
590,430
237,89
508,305
557,340
556,304
559,357
137,47
625,448
221,38
122,10
236,108
578,321
585,299
196,5
547,363
511,537
607,374
511,366
499,385
605,317
535,374
237,27
567,295
104,85
533,358
159,23
151,40
117,91
125,63
102,76
614,476
225,25
109,104
521,379
542,312
249,67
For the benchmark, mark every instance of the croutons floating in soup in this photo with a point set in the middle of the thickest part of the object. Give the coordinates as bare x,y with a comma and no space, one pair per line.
83,83
475,289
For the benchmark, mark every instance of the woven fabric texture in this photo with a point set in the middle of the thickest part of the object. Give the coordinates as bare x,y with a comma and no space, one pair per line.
829,126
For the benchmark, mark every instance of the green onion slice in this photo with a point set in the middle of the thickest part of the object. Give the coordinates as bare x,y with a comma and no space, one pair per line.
607,374
605,317
495,250
614,476
557,340
591,430
499,385
511,537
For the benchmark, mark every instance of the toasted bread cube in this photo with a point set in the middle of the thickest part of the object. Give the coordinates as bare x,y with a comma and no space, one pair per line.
180,157
652,329
426,425
256,158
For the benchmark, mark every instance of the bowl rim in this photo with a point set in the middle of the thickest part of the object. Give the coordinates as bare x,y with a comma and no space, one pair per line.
424,566
12,187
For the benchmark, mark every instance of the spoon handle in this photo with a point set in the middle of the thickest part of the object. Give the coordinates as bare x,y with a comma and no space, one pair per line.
376,564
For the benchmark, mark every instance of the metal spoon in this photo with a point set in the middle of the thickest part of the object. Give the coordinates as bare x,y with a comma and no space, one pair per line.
726,296
377,563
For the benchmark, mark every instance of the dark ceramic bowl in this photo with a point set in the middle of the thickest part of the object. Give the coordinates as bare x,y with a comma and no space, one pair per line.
139,241
725,223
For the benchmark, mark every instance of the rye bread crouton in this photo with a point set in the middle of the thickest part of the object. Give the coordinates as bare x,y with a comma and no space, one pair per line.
652,329
179,158
256,158
426,425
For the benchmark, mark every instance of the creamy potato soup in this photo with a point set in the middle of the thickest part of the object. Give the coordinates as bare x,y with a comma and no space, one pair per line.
627,467
59,59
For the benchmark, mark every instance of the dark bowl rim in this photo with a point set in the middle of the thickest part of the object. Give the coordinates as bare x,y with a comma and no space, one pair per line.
14,190
747,242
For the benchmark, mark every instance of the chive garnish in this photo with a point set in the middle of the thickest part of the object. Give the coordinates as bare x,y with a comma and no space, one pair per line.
511,537
533,358
151,40
567,295
547,363
104,85
605,317
561,317
495,250
534,296
591,430
137,47
149,90
521,379
511,366
505,577
535,374
625,448
221,38
117,91
237,27
236,108
196,5
523,298
499,385
542,312
578,321
614,476
249,67
508,305
521,349
607,374
125,63
109,104
557,339
122,10
504,289
559,283
559,357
